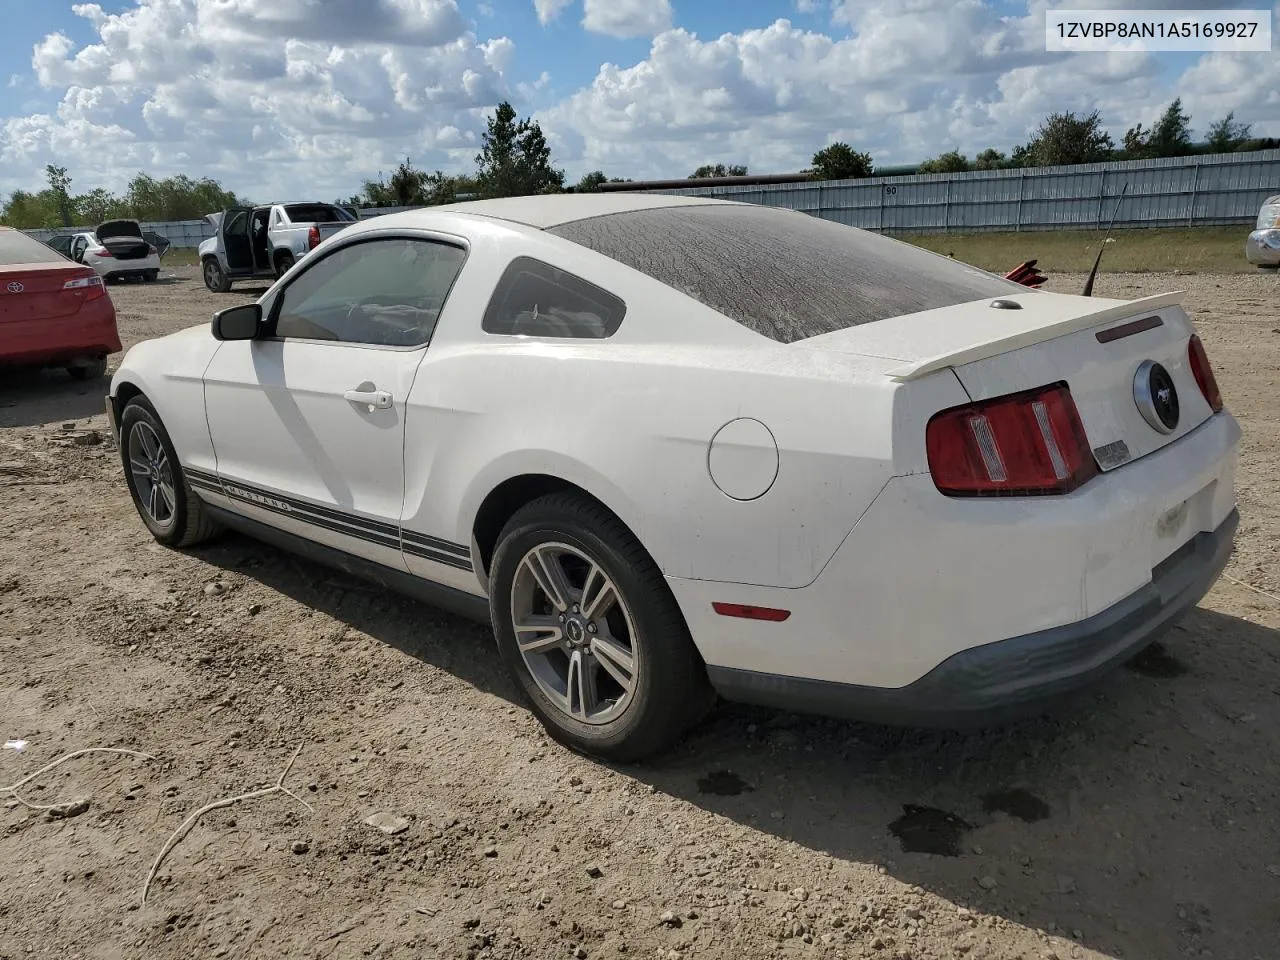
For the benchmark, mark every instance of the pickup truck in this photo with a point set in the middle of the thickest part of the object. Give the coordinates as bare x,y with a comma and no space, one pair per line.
253,243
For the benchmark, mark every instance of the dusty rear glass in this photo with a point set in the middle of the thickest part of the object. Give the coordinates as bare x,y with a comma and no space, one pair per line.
786,275
17,247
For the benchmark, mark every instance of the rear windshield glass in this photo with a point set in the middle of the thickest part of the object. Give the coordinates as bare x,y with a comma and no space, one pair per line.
786,275
316,213
17,247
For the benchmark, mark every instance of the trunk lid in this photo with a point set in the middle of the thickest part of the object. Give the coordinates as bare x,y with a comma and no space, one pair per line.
119,228
37,291
1099,347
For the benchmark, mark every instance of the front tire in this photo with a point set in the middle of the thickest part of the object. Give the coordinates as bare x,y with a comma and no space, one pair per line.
164,500
590,632
214,278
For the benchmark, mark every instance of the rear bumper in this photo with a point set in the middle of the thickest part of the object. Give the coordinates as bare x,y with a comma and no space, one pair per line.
1009,678
89,333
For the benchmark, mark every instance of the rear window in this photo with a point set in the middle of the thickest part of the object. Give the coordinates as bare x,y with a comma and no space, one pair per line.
17,247
535,299
315,213
783,274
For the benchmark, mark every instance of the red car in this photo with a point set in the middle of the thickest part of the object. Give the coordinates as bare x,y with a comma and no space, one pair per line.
53,312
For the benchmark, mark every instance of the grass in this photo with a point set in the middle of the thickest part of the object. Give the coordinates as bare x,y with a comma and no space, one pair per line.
181,258
1189,249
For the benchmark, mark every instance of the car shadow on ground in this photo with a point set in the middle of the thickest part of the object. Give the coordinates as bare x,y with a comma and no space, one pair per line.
440,639
1111,818
30,398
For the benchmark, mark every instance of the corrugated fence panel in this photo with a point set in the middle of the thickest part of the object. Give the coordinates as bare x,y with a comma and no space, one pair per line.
1223,188
1174,191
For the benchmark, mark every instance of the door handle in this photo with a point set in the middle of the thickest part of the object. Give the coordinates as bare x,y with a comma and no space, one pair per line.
373,399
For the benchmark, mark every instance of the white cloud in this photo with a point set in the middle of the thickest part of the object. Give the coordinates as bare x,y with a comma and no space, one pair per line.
266,95
277,96
912,79
627,18
548,10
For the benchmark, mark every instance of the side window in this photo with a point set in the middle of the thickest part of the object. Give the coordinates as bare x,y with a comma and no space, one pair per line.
382,292
62,245
535,299
78,248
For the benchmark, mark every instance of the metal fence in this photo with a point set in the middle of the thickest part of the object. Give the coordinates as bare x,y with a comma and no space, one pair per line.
1224,188
1205,190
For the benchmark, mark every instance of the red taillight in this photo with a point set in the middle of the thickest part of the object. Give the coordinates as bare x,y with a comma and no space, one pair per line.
748,612
104,252
1024,444
152,251
91,284
313,238
1203,372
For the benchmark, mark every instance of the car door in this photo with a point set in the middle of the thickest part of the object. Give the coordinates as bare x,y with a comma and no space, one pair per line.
307,422
61,244
236,242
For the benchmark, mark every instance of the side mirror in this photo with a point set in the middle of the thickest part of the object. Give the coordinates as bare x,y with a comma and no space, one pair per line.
238,323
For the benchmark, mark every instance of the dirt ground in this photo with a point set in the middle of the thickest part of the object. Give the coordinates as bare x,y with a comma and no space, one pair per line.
1140,823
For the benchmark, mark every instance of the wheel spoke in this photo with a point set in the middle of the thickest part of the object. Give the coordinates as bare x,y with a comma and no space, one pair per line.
580,687
616,660
539,634
141,468
545,566
153,501
170,503
598,594
148,442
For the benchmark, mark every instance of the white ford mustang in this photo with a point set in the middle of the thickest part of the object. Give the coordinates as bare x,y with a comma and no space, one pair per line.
672,447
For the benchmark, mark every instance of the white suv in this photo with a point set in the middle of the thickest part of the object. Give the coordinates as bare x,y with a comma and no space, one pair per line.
116,250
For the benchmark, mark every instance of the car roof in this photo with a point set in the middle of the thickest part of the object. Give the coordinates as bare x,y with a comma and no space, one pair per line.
552,210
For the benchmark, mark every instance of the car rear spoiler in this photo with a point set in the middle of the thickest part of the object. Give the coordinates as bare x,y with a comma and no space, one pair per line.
1002,331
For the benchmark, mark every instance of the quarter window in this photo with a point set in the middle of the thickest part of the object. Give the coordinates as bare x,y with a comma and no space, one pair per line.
381,292
535,299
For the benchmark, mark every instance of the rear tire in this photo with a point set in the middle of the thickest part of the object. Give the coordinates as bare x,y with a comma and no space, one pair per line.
640,637
151,276
214,278
92,371
284,263
168,506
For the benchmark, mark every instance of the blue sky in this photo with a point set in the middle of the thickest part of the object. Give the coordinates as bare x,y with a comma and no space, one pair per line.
266,94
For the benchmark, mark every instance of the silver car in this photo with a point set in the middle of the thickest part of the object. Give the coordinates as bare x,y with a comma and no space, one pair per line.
1263,246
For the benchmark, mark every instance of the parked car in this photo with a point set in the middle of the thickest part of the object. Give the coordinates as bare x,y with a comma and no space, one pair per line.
670,447
252,243
116,250
1263,245
53,312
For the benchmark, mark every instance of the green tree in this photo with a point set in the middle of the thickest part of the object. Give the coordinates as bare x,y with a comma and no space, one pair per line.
60,188
97,205
1170,136
990,159
839,161
590,182
1227,134
1064,138
707,171
515,160
953,161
